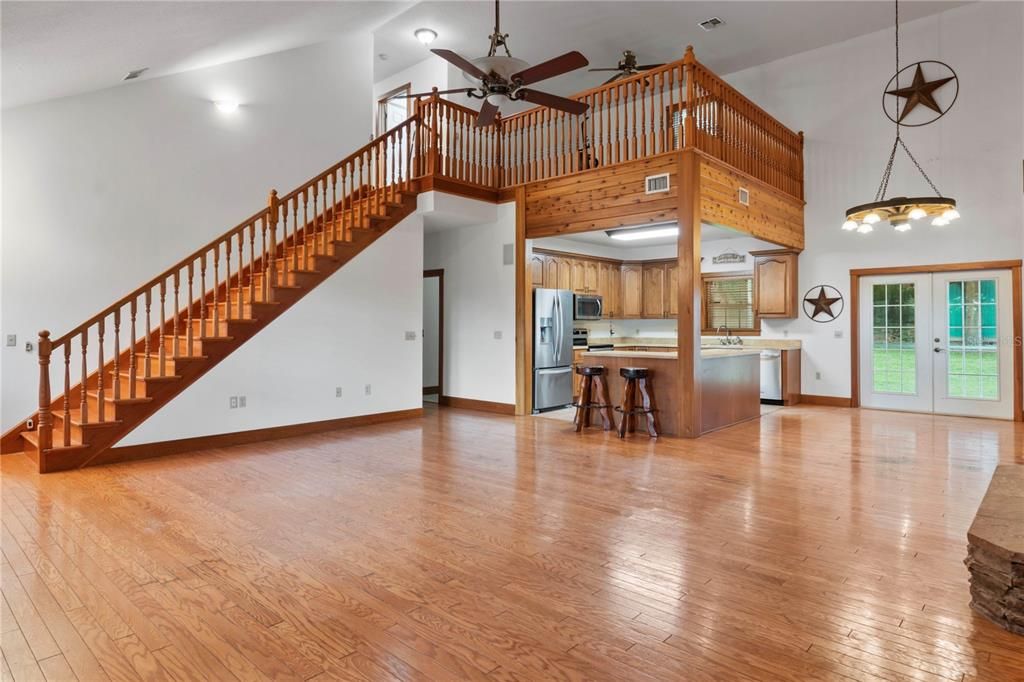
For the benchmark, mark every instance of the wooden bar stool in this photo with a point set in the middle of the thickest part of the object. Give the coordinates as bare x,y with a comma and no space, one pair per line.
593,380
636,381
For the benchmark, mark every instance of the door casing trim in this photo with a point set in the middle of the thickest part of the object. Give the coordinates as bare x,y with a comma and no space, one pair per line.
1014,266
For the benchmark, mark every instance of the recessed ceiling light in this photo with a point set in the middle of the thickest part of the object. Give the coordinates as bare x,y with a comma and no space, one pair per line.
132,75
425,35
630,234
711,24
226,105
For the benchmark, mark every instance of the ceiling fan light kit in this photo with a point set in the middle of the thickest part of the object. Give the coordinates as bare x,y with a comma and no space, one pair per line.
902,212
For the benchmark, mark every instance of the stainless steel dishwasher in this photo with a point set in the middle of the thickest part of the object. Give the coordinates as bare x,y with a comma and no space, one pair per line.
771,375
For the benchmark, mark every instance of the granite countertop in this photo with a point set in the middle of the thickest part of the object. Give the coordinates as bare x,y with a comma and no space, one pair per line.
706,353
999,524
665,342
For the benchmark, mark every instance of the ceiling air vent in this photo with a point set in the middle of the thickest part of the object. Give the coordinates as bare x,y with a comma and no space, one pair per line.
656,183
744,196
132,75
711,24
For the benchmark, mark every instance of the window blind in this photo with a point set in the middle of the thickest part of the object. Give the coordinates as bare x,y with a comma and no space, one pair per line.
729,302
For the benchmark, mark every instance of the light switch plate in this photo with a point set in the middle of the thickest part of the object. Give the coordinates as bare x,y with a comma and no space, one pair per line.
497,335
241,401
12,339
838,333
233,402
337,392
410,336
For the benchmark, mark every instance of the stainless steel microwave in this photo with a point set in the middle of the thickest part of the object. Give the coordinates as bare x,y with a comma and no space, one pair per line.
587,307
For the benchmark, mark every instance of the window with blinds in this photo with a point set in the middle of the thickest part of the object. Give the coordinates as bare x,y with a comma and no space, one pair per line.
729,302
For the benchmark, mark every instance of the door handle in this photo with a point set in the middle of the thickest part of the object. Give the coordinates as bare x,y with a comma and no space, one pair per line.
938,350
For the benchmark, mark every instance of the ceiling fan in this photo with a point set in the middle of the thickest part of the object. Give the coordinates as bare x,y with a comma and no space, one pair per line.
504,78
627,67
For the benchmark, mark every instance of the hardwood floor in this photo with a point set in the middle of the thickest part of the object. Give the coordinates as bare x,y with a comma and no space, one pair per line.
814,544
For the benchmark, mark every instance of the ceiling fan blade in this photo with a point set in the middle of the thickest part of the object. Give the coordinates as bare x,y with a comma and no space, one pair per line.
621,74
648,67
487,113
570,61
614,69
554,101
417,95
461,62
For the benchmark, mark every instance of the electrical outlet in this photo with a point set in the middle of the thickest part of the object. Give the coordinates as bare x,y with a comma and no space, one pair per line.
12,339
29,347
233,402
337,391
410,336
367,389
785,332
817,375
30,424
241,401
497,335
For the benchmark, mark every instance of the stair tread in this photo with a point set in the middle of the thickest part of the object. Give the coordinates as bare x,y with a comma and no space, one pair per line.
109,397
153,377
33,438
76,419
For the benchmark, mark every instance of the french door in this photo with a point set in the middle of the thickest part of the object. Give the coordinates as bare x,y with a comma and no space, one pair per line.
938,342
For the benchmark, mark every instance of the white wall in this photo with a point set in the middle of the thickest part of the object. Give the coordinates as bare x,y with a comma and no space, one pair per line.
479,300
104,190
973,154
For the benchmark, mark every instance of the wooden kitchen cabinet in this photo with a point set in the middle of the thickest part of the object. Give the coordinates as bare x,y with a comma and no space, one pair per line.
632,304
672,289
654,290
590,276
579,275
775,283
614,290
537,262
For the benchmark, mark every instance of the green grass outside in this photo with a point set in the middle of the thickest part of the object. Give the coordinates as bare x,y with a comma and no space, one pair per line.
972,374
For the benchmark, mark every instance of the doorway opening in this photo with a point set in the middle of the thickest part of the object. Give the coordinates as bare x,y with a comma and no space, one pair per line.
433,334
939,339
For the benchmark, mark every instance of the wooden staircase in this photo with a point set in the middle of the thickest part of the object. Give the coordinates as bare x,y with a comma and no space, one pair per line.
231,288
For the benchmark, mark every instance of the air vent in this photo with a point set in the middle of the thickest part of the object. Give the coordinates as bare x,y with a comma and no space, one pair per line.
132,75
656,183
711,24
744,196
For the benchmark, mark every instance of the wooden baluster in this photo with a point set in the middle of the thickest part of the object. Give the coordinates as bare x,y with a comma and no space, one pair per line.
228,307
163,323
606,115
83,407
334,205
305,227
264,261
100,393
116,383
177,304
216,287
202,296
615,97
634,128
67,394
295,233
45,426
252,261
270,278
358,190
132,367
649,88
661,112
189,304
240,270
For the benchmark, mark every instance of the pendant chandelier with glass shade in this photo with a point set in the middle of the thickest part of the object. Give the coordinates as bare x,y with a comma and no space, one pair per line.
901,212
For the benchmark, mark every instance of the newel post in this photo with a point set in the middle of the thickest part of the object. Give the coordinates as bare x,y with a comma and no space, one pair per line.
435,145
45,416
273,211
690,122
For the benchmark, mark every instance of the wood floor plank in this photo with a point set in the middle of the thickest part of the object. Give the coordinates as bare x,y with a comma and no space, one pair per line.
813,544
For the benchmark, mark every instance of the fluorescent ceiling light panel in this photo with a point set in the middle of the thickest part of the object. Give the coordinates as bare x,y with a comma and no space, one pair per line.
635,233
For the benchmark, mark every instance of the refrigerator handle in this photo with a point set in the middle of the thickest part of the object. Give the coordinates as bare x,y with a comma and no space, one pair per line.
558,329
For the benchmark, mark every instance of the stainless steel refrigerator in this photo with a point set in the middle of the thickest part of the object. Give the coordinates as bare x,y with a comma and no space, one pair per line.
552,349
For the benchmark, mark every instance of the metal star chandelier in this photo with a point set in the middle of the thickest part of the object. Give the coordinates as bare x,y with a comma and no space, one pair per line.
900,212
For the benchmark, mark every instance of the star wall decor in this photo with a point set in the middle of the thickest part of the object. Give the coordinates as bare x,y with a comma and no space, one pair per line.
823,300
922,92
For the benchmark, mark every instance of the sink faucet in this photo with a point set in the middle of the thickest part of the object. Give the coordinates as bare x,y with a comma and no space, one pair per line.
728,339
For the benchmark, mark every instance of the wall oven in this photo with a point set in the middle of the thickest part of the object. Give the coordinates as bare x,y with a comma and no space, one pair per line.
586,307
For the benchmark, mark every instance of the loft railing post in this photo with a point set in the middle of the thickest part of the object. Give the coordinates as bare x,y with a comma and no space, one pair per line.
434,164
270,275
690,122
496,160
45,417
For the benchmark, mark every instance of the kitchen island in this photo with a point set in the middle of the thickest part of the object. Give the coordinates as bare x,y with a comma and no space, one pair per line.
730,384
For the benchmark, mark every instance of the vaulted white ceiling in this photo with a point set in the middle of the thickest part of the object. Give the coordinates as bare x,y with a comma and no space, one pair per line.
54,49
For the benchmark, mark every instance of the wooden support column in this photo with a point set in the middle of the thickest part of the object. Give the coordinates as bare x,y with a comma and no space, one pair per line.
689,293
524,311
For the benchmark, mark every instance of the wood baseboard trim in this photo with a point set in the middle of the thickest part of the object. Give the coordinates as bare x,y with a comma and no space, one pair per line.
826,400
431,390
131,453
479,405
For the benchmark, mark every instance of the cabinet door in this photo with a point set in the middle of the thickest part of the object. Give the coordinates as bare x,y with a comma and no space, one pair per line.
537,270
632,291
614,291
550,273
672,290
654,290
579,276
775,286
603,276
590,269
564,274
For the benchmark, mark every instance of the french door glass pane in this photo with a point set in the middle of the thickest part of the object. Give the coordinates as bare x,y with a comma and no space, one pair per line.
894,355
973,340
